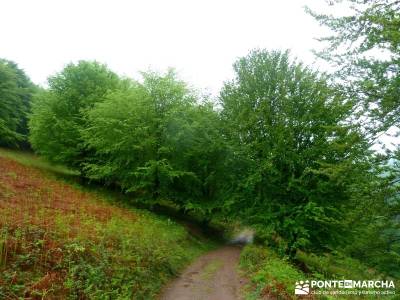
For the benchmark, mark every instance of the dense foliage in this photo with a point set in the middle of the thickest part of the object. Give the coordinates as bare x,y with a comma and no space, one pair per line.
280,151
58,112
283,149
153,139
303,157
365,49
16,91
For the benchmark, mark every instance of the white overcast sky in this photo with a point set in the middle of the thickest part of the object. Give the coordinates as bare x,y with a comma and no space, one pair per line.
201,39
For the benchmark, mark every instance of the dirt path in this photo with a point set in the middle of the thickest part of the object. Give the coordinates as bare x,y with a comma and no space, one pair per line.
213,276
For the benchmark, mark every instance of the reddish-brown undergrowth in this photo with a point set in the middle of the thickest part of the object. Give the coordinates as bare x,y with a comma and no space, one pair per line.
30,197
38,214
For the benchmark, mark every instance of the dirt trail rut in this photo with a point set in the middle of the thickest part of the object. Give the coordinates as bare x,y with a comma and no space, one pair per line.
212,276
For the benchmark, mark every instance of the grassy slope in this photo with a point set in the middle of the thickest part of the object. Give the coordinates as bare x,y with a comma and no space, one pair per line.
272,277
59,241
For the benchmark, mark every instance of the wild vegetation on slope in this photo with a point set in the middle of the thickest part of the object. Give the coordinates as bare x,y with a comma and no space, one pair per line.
57,241
284,149
271,276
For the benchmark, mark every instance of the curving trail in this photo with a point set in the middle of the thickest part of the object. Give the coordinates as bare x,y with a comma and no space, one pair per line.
212,276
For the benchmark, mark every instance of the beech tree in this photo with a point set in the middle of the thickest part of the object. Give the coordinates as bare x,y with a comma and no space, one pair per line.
301,156
365,48
58,114
154,139
16,91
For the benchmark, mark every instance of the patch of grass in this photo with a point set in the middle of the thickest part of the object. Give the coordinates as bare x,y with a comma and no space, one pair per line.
274,277
336,266
270,275
31,160
58,241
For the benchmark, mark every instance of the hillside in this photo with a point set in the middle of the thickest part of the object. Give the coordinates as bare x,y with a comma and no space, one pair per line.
59,241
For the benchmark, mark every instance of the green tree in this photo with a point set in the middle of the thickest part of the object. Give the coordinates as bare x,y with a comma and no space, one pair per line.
128,133
58,114
16,91
120,134
365,48
199,148
372,219
152,138
299,155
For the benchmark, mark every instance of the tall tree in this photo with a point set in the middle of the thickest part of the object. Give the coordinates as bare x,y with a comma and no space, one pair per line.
365,49
129,132
58,114
301,156
365,46
16,91
153,138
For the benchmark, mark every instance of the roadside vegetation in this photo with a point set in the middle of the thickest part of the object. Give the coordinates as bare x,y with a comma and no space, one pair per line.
273,276
58,241
270,275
